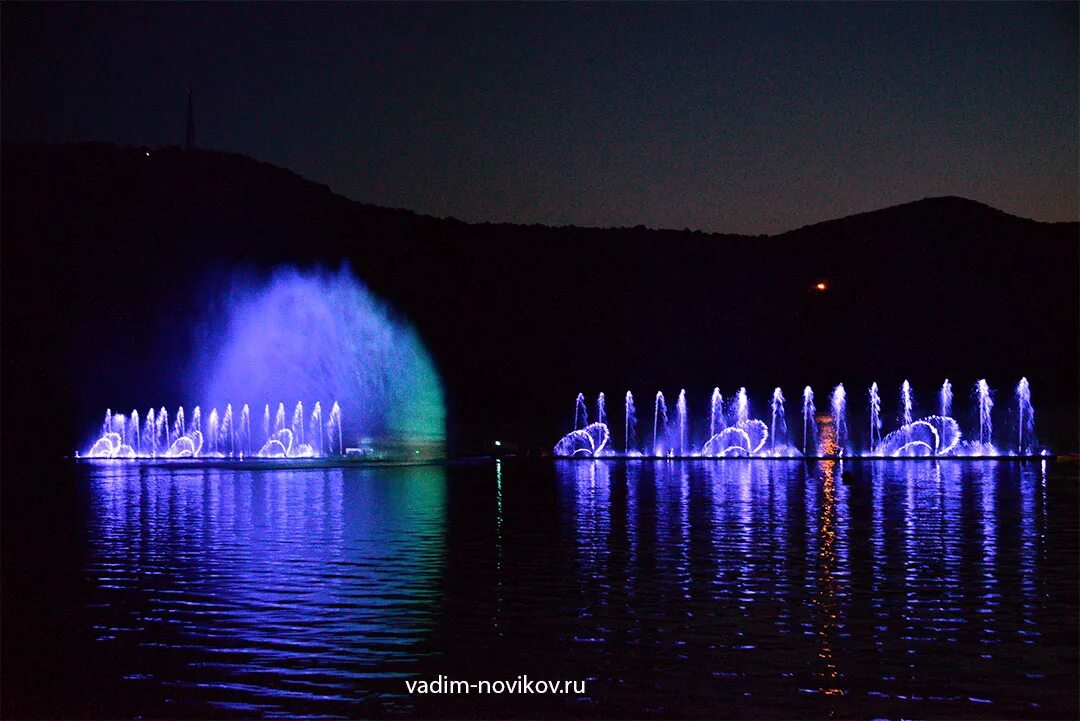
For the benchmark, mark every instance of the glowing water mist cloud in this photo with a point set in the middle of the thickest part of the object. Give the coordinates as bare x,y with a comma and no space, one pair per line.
321,336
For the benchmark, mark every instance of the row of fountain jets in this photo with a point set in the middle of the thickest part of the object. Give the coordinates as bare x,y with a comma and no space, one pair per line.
732,432
129,437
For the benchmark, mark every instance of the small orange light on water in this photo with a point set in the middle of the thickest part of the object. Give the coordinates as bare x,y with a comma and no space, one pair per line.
821,286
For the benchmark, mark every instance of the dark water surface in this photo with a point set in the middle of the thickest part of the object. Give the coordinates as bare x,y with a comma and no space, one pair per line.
708,589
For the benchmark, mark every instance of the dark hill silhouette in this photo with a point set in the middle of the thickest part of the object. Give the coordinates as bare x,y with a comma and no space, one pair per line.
109,253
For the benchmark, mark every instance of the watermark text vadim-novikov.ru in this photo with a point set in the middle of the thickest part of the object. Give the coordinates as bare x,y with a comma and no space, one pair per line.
522,684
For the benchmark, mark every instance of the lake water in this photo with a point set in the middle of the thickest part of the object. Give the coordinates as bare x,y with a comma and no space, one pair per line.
681,588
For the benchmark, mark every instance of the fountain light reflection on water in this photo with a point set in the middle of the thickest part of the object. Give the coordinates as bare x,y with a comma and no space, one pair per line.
909,590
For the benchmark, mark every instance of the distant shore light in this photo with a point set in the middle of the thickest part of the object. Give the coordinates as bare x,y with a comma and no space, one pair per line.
821,286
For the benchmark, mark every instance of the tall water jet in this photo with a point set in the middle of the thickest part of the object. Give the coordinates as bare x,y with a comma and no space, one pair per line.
279,418
334,426
779,424
245,430
875,417
266,422
945,397
905,402
151,433
742,407
212,430
163,428
986,404
298,421
680,409
317,428
717,422
1025,442
601,408
178,425
228,433
659,421
137,431
581,413
631,424
106,426
809,423
839,412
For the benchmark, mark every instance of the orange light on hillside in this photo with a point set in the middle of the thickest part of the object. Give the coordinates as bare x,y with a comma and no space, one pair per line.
821,286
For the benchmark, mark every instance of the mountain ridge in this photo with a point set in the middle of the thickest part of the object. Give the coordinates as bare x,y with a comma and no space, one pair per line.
951,203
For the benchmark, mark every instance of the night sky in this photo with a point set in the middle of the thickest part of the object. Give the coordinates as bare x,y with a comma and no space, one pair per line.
741,118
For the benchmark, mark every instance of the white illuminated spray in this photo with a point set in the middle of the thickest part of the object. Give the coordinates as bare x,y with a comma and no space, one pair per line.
298,421
906,402
151,433
228,432
986,405
717,422
875,417
631,424
779,423
1025,418
742,407
945,398
809,423
245,430
137,432
659,421
601,410
163,429
581,413
838,403
212,430
335,426
680,411
317,427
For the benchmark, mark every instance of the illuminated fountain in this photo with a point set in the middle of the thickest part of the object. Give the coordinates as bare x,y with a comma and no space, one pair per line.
933,436
122,438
